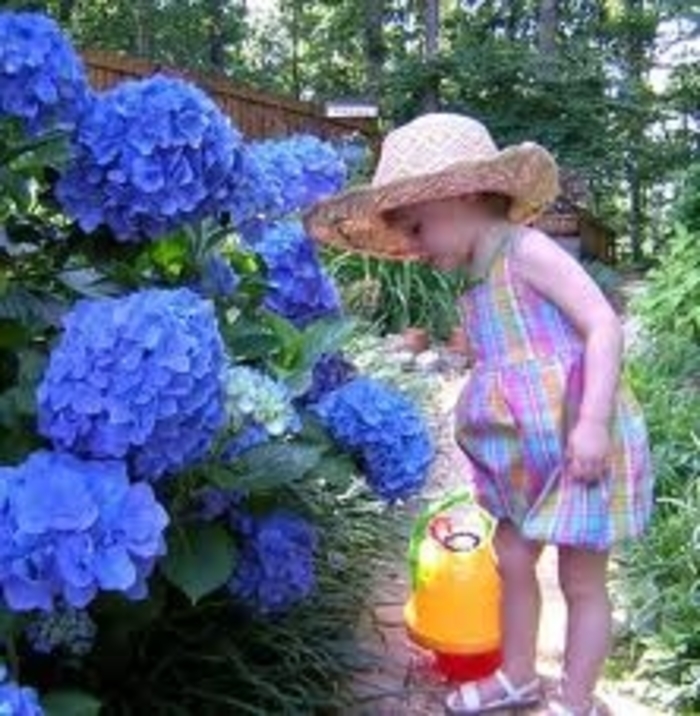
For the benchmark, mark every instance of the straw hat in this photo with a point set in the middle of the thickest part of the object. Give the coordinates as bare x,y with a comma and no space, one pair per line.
436,156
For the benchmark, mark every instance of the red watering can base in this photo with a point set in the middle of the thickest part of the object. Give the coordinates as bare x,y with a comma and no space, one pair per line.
460,668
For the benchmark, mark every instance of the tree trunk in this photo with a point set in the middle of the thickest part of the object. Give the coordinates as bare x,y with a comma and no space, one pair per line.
635,60
431,24
295,27
217,39
375,49
636,208
143,39
547,24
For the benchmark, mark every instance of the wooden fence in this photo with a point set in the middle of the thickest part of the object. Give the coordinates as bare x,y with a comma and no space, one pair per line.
257,114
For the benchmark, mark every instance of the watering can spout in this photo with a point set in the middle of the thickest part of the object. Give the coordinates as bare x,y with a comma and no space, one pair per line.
454,608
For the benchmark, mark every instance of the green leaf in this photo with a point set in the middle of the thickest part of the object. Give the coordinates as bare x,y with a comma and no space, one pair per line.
70,703
248,340
200,559
336,470
269,466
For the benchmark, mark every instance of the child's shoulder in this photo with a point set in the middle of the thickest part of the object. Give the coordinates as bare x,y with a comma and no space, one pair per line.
536,250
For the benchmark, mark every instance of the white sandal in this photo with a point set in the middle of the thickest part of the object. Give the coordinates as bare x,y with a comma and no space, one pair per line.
467,700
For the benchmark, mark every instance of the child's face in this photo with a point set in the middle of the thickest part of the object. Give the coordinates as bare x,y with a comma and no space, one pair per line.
443,232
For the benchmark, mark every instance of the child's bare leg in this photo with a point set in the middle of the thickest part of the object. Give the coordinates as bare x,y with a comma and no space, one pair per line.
520,607
583,578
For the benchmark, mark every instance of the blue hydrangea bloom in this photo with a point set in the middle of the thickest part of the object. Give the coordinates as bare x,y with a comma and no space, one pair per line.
137,378
256,399
275,567
385,431
299,288
67,629
294,173
151,156
42,78
70,528
219,280
330,372
16,700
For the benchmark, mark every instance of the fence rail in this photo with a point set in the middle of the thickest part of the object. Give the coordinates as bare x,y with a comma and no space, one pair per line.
257,114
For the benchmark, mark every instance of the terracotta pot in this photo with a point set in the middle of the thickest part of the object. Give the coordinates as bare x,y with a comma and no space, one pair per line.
457,342
415,340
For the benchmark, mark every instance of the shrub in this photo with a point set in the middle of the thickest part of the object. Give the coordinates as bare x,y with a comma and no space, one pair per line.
196,540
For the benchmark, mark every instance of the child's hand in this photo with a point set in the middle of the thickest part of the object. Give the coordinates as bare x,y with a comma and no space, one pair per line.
588,450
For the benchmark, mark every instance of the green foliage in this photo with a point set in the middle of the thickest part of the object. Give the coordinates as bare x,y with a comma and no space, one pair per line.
670,302
660,574
200,559
393,295
70,703
687,210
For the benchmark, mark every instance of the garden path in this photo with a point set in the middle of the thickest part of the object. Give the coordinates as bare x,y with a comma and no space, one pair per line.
401,681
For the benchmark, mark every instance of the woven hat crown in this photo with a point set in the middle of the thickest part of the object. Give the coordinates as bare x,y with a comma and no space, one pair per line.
432,143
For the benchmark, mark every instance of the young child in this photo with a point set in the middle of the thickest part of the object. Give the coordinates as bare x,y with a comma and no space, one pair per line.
558,445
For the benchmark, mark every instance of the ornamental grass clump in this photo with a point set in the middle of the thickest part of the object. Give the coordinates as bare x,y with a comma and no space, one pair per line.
136,378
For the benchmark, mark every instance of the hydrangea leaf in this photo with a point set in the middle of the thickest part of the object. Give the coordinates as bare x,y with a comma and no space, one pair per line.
70,703
268,466
200,559
249,340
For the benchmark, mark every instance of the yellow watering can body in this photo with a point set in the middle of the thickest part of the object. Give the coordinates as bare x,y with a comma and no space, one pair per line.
454,608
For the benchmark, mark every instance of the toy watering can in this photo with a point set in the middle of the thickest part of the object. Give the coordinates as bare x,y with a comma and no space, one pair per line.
454,608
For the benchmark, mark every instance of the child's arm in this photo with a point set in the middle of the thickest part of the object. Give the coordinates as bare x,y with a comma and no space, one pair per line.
560,278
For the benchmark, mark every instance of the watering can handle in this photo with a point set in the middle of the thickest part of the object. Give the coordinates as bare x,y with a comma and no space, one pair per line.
420,527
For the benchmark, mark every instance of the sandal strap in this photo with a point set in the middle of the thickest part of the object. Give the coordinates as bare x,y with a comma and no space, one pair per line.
517,692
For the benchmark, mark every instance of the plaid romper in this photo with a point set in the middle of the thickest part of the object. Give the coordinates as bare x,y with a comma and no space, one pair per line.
513,417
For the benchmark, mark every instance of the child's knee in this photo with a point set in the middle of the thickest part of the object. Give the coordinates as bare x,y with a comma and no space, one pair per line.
582,575
517,557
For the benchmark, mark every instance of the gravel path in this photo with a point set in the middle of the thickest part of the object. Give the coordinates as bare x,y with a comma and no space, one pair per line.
402,681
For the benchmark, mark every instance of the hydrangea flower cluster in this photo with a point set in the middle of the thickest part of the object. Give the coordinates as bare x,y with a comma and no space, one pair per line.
42,78
255,399
330,372
70,528
16,700
298,171
219,280
384,430
136,377
151,156
275,568
299,289
67,629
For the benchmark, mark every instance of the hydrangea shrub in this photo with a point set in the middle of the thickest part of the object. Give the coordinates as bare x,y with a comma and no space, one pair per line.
148,379
42,78
151,156
385,430
136,378
276,566
299,288
71,528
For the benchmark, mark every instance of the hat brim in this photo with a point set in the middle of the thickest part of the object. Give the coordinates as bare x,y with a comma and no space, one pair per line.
356,219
